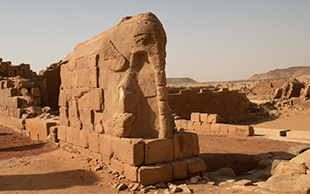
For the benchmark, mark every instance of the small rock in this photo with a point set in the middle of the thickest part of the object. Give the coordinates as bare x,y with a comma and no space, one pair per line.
244,182
96,168
174,189
161,185
193,179
144,190
151,187
211,183
133,186
184,188
121,187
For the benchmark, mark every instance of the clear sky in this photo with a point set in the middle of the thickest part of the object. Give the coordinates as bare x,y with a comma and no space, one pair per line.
208,40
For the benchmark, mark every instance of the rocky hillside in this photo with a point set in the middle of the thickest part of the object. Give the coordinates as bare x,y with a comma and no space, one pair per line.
301,72
177,81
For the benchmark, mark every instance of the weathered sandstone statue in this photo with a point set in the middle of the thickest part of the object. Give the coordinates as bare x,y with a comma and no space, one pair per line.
115,82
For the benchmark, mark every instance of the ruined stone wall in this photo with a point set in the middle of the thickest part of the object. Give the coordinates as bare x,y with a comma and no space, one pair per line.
230,105
22,94
52,80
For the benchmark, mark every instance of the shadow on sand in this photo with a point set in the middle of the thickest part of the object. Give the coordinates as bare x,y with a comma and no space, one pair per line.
48,181
22,148
240,163
261,120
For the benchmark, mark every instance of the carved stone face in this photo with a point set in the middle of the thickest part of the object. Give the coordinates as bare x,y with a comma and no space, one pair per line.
128,62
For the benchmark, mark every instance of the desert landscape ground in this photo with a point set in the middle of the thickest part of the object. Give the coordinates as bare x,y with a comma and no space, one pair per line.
104,120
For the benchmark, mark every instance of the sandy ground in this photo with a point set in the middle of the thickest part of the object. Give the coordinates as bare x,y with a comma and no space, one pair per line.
287,119
36,167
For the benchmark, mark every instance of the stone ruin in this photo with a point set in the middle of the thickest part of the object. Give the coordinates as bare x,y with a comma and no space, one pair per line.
114,104
23,94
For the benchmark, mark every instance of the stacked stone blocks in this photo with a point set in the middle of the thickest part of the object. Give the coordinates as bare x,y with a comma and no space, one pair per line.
139,159
208,123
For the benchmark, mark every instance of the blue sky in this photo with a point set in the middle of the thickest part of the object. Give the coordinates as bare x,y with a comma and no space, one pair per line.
208,40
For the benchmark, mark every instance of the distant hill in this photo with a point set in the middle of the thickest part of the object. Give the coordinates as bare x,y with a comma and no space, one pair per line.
301,72
176,81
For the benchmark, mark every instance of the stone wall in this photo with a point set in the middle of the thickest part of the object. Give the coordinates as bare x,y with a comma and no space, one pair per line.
52,80
230,105
22,94
209,124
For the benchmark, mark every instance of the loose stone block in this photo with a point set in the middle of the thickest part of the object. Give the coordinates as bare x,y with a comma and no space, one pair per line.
182,144
158,150
195,165
131,172
39,129
148,175
179,169
128,150
195,116
93,141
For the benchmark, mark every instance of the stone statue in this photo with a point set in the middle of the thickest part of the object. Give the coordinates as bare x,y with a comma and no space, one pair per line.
115,82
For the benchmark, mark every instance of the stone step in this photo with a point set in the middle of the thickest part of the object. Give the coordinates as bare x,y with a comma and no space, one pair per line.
270,132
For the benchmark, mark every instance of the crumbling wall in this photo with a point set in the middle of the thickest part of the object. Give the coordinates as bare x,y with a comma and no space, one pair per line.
230,105
22,94
52,80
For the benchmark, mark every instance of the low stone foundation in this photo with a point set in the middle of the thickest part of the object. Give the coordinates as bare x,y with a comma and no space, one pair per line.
38,129
147,161
207,123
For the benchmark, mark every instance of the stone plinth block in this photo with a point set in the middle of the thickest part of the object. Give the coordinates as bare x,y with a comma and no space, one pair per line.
158,150
128,150
39,129
183,145
195,165
179,169
93,142
148,175
244,130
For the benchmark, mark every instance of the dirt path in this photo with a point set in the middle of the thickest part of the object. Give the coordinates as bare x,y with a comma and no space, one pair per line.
36,167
